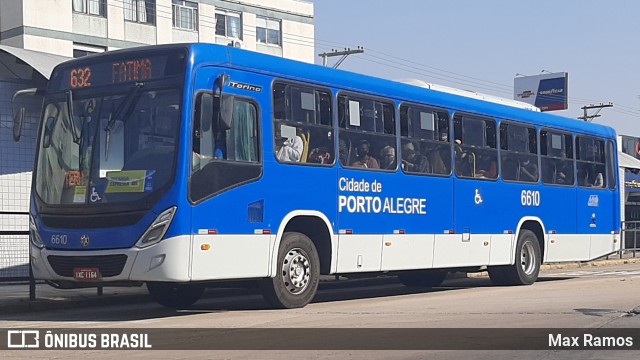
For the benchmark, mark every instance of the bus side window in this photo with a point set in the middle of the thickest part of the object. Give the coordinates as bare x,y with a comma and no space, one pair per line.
475,147
590,162
424,140
367,130
241,160
556,154
519,157
302,125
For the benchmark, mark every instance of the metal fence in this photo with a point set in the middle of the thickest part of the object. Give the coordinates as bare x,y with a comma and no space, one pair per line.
630,237
14,246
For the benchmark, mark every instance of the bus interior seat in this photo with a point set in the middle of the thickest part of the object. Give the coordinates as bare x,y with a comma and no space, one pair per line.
305,148
511,169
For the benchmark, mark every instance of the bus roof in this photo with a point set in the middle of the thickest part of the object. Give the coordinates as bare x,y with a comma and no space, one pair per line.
349,81
212,54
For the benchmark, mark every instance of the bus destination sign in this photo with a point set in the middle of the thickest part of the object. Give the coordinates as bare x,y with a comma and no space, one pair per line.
118,70
121,71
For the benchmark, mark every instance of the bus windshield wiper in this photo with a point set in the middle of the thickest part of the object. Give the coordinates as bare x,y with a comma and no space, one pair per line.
72,123
123,108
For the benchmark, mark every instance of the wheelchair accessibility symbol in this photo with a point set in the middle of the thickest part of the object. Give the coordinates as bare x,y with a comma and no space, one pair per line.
94,195
478,198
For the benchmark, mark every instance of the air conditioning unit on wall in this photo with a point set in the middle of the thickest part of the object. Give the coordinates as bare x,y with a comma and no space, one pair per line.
237,43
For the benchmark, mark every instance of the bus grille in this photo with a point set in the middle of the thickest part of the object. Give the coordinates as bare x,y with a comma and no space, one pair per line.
109,265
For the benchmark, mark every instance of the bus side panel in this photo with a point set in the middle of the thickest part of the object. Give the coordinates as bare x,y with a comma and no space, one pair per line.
393,210
219,257
477,215
596,217
229,230
406,252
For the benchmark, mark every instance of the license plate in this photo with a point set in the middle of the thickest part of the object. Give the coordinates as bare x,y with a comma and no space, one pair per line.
86,274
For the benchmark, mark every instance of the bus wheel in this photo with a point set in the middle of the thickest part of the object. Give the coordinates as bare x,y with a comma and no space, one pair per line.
497,275
297,275
174,295
422,278
525,270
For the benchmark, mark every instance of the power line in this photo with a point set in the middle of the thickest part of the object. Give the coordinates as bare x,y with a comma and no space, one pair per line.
326,55
409,66
589,118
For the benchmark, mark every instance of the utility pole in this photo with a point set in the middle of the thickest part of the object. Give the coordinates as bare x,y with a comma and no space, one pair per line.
344,54
600,106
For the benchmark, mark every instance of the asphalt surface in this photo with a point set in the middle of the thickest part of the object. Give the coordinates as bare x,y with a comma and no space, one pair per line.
15,297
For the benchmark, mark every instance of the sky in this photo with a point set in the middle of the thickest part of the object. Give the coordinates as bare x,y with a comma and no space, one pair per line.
481,45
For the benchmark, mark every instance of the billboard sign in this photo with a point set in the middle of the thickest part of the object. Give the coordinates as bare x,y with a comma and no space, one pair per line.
545,91
630,145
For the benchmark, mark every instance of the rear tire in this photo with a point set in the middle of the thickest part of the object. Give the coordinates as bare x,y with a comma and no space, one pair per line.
497,275
297,274
173,295
527,265
422,278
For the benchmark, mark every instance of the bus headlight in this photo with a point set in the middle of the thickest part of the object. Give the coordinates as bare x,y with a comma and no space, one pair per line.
157,229
34,234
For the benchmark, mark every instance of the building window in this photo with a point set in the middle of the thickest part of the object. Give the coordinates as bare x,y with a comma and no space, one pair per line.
142,11
91,7
228,24
80,50
268,31
185,15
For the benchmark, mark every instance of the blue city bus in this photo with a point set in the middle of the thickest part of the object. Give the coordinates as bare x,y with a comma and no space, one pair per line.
186,164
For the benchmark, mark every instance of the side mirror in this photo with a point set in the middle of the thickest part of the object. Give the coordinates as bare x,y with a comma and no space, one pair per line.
48,130
226,112
205,111
19,111
18,118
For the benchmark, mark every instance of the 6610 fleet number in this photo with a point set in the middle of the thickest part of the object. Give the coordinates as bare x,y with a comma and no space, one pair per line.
530,198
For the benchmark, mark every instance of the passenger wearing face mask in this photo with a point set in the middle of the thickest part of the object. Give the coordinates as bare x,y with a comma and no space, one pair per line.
363,159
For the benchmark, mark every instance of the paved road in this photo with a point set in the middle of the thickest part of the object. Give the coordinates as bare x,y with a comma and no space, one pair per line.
577,298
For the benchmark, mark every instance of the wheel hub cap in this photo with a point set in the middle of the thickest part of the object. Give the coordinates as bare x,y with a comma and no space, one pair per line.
296,271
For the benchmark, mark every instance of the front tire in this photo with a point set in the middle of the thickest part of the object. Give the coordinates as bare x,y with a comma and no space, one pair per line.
297,274
174,295
527,266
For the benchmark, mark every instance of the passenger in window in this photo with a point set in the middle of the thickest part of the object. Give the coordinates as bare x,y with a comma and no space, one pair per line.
594,177
464,163
528,171
413,161
561,178
599,182
459,152
436,159
343,151
487,167
562,170
363,159
198,160
389,161
291,149
220,150
320,155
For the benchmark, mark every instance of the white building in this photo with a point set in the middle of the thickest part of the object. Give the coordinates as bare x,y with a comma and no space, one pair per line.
75,27
62,29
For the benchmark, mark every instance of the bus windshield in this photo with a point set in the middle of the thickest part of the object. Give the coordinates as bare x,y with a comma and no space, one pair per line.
108,148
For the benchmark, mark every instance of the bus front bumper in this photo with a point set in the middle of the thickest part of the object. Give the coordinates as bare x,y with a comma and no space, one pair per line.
167,260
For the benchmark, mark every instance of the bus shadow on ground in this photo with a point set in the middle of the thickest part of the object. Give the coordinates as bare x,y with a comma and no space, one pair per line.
224,300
